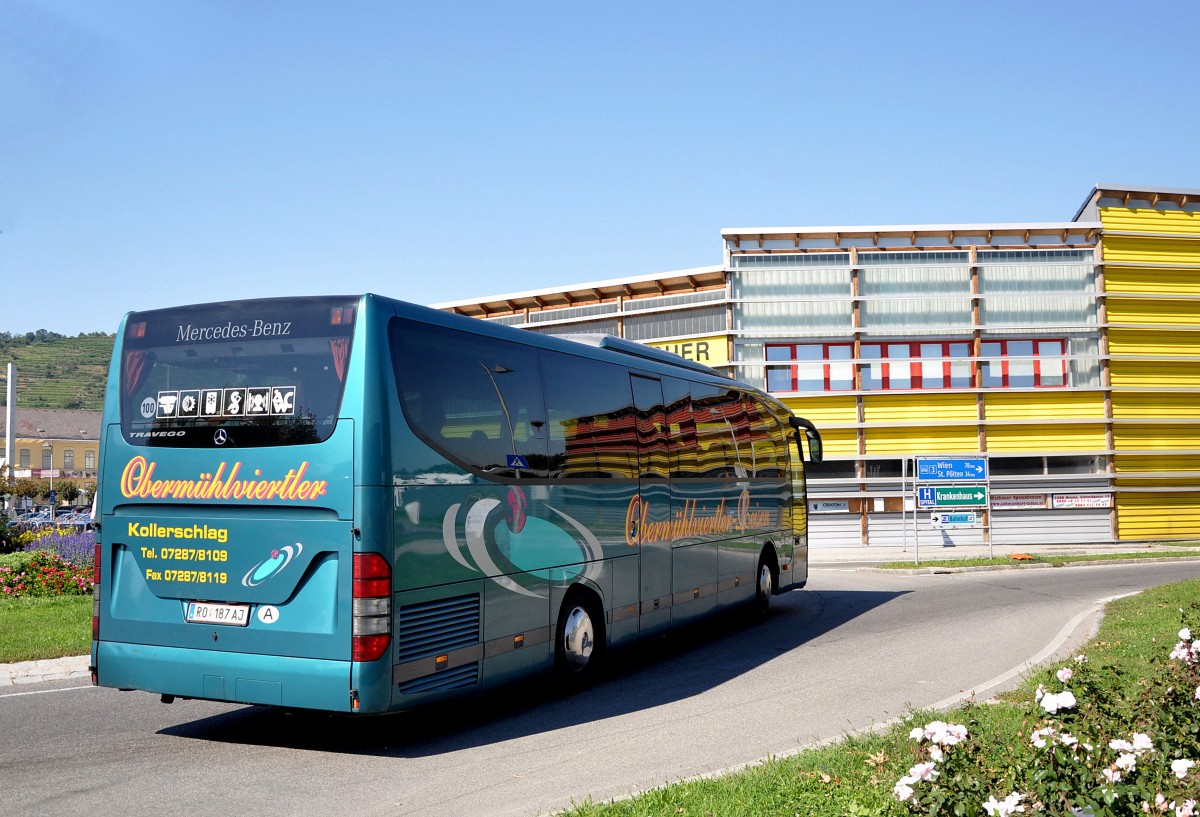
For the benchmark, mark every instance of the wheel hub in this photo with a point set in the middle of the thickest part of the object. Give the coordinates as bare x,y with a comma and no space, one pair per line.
578,638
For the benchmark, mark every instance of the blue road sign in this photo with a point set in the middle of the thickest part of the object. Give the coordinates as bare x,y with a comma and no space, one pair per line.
954,520
961,496
951,469
516,461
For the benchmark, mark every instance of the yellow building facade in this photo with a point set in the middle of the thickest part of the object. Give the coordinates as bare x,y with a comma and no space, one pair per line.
1065,355
1150,257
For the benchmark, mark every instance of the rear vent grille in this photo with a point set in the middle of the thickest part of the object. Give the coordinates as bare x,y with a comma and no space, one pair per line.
457,678
436,627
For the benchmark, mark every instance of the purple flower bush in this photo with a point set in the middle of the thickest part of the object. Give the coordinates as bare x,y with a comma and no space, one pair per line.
76,548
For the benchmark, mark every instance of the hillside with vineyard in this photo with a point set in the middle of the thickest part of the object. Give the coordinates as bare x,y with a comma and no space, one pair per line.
57,372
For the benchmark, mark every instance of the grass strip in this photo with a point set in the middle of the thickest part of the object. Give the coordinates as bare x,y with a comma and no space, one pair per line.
38,627
1033,559
854,777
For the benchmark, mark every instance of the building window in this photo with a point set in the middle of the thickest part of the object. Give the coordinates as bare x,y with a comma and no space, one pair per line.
47,459
24,457
831,469
916,365
810,367
1023,364
919,365
69,460
1016,466
89,460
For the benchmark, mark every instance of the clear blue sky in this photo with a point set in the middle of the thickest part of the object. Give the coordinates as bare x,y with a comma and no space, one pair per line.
155,153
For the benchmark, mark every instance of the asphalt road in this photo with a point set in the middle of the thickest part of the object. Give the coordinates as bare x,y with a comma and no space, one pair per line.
855,649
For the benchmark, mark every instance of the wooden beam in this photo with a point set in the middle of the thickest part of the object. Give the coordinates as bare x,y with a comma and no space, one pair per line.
875,238
1128,196
1154,200
1183,200
837,239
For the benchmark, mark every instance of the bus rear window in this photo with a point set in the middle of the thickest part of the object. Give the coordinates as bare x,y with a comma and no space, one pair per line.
245,373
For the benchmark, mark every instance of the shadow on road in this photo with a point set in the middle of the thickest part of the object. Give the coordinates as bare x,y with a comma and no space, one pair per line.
688,662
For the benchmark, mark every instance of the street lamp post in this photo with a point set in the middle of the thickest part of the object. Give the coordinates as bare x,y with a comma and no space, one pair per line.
50,448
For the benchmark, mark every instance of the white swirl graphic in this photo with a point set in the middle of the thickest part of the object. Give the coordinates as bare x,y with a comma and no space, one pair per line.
269,567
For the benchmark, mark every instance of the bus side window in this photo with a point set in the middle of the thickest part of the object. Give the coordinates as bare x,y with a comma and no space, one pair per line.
651,428
766,433
592,422
715,410
473,398
681,428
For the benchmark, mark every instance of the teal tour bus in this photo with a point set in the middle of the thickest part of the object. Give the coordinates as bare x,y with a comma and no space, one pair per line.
360,505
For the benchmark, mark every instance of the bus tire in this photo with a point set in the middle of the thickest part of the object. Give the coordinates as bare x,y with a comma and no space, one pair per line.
578,640
765,580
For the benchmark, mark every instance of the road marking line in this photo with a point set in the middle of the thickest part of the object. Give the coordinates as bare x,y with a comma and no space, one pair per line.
44,691
1055,643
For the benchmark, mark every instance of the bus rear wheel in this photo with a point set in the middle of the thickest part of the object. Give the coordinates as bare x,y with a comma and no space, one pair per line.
579,642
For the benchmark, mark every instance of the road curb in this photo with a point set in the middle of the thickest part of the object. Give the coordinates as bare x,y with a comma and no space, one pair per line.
50,669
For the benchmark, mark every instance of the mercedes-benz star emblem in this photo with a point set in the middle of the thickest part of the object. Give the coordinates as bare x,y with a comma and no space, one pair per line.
220,437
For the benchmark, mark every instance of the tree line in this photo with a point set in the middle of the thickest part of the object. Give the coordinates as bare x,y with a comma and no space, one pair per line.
40,336
66,491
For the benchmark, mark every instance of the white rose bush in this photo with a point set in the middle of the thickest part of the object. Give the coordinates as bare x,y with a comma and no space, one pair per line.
1090,751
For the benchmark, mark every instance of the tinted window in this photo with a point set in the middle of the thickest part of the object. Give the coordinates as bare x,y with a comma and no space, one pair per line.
767,440
651,428
681,428
716,412
476,399
592,424
268,372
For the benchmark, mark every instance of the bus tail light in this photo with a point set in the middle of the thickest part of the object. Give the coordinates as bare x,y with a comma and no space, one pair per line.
371,629
96,596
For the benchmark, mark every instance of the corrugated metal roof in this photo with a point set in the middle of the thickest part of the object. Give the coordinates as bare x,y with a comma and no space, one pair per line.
662,283
1178,195
905,229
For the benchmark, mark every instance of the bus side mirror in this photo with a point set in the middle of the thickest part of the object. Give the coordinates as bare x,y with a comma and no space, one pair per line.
815,448
816,452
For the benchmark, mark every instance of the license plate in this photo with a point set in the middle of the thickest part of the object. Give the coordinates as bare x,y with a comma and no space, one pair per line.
233,615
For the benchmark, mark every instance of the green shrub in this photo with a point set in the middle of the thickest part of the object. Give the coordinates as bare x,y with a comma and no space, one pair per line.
1100,746
8,535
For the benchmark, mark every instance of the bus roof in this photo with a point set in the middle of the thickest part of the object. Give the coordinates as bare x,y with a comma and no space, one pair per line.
635,349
